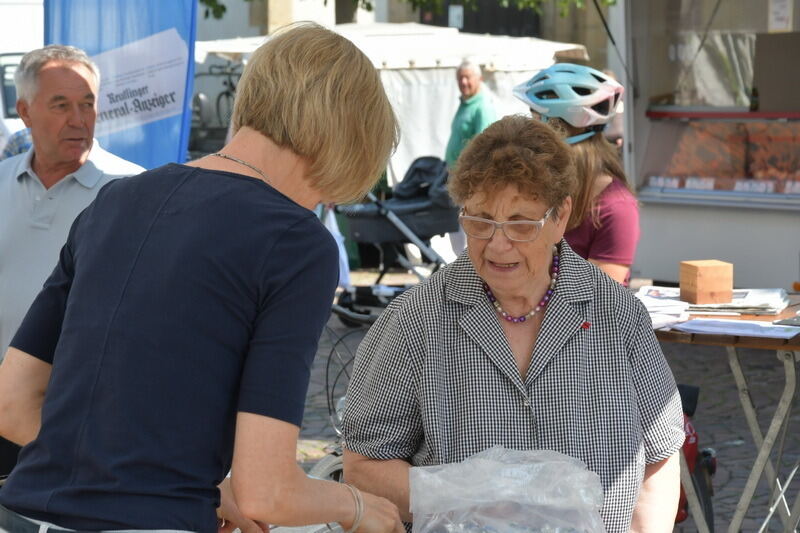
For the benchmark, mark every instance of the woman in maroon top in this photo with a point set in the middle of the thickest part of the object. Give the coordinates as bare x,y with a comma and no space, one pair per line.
604,225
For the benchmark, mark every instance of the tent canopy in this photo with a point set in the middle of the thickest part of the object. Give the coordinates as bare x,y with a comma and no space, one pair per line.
411,45
417,64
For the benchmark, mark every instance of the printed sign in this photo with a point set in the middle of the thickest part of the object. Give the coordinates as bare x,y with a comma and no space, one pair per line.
143,51
756,186
667,182
781,15
136,90
700,183
791,187
455,16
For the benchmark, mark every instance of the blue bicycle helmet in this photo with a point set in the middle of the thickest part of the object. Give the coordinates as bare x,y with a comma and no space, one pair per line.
581,96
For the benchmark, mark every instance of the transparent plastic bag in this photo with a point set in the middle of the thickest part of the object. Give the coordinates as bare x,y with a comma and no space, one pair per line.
507,491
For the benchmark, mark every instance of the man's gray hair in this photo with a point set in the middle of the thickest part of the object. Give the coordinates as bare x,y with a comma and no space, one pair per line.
26,78
469,64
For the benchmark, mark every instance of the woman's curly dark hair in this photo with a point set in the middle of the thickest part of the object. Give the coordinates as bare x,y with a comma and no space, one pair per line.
515,150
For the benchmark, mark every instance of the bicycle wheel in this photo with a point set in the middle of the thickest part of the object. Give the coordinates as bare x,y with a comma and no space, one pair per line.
224,107
329,467
337,370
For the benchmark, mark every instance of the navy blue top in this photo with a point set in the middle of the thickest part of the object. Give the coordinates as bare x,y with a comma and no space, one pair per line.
182,296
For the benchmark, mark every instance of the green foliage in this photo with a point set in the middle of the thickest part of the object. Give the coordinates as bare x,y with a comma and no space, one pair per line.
564,6
217,8
214,8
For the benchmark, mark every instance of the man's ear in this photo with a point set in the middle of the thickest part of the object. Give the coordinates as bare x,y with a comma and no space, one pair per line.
23,111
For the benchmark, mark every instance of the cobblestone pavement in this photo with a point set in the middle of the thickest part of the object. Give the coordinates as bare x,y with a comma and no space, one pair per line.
719,419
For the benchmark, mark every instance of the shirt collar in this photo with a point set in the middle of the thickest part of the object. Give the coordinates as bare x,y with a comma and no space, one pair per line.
574,279
474,99
87,175
24,164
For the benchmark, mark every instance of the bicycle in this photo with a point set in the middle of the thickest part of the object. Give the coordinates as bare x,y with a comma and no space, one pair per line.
224,102
338,369
211,116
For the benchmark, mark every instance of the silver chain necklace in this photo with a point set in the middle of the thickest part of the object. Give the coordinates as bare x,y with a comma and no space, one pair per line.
241,162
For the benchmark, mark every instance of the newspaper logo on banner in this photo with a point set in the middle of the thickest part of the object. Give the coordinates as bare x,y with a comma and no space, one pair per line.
141,82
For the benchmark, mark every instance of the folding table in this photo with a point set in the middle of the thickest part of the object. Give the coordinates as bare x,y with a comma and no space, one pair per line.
789,354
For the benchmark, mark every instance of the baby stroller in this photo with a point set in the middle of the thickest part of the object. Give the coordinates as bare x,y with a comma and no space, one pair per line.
419,209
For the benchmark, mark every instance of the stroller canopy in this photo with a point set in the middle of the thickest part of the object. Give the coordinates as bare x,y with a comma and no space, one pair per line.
425,178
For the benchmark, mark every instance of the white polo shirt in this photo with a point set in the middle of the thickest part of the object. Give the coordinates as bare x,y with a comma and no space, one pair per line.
35,221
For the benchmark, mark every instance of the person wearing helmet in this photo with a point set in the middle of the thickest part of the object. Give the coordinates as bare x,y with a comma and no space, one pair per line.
581,101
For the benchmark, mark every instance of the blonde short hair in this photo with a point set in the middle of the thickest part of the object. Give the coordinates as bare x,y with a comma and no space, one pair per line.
311,90
516,150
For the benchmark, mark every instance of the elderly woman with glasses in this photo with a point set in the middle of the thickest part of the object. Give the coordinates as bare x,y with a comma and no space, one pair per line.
519,342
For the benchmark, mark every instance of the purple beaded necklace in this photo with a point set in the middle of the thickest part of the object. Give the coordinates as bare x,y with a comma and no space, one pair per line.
542,303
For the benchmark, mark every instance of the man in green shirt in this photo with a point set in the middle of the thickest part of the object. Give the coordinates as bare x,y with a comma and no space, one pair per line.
475,113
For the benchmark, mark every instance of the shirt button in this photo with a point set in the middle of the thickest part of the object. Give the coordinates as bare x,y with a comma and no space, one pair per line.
526,403
38,198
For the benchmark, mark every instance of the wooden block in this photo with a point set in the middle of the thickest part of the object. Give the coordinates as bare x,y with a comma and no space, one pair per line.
706,282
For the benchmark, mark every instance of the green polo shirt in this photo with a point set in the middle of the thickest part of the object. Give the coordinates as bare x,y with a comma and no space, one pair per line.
473,116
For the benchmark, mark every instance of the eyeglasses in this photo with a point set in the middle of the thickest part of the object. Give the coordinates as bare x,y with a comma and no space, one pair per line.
515,230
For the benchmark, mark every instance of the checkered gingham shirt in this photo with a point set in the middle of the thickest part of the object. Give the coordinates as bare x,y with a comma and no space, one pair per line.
434,381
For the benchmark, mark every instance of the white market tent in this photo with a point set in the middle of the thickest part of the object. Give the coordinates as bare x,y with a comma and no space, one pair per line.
417,64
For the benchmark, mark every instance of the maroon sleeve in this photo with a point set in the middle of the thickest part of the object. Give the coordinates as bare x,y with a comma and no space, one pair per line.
616,238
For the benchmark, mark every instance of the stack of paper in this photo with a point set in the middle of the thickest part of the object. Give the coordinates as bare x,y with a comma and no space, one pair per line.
661,299
744,328
744,301
751,302
664,307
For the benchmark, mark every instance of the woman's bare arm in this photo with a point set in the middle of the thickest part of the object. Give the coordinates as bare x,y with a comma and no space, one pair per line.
387,478
269,487
615,271
23,383
658,498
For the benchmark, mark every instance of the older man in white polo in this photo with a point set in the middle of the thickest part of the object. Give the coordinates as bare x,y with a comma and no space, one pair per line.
43,190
